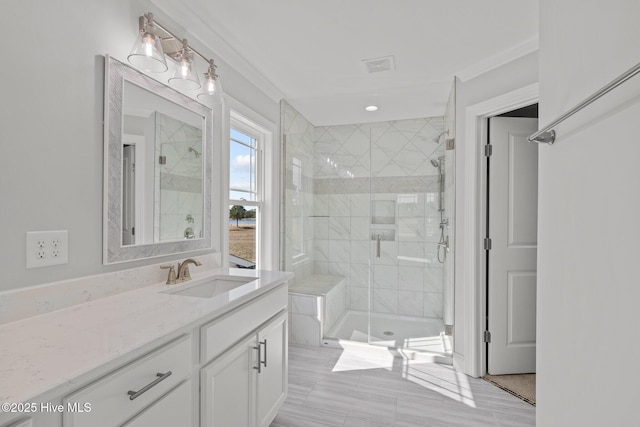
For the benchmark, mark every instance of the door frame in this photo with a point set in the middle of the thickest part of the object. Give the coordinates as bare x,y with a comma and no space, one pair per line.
474,208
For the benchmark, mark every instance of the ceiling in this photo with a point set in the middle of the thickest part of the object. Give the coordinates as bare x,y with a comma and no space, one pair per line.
310,52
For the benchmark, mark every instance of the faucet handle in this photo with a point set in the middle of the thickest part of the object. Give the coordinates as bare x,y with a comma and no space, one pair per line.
171,278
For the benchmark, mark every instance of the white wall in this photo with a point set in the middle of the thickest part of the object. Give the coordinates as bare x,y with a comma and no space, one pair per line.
511,76
589,210
51,135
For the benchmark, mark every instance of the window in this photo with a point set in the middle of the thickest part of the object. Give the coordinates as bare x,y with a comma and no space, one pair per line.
245,194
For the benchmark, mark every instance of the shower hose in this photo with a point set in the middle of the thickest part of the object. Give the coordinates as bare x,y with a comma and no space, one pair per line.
443,244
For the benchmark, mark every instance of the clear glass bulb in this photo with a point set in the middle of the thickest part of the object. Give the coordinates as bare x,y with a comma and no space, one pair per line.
185,68
149,44
211,86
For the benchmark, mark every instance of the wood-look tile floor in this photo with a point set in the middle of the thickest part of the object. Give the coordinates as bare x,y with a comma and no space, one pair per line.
356,387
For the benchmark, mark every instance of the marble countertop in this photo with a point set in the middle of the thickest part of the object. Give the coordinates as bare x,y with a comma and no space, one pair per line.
42,353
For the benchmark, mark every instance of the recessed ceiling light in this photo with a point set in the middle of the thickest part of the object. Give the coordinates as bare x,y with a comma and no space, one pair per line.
371,108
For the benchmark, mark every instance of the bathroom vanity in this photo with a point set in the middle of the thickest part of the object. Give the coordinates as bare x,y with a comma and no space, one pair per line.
208,352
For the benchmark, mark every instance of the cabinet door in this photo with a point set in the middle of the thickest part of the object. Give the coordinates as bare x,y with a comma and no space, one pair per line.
228,388
174,409
272,379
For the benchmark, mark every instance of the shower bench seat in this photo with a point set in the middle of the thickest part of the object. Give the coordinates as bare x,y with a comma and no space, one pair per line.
315,304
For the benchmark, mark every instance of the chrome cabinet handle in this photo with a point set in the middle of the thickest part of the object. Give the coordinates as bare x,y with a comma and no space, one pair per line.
378,246
161,377
264,362
259,367
260,361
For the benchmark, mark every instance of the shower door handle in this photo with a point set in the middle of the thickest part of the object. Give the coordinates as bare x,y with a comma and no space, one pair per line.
378,246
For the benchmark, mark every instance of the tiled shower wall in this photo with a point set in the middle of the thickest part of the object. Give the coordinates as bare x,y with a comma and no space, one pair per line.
377,179
358,182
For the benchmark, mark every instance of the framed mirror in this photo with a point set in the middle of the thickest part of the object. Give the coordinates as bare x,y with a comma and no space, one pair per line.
157,168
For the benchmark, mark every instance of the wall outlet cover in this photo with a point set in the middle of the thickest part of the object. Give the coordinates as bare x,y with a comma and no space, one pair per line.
45,248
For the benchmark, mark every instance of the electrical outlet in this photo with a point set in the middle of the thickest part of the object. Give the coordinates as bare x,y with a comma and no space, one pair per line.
46,248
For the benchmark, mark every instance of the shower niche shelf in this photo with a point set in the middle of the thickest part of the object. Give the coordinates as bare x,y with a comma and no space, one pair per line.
383,212
386,234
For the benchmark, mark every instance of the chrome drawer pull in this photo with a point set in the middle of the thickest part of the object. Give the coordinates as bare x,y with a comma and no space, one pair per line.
264,362
161,377
259,367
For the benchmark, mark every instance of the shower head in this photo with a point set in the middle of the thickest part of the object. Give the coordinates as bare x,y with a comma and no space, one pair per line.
435,163
195,152
437,138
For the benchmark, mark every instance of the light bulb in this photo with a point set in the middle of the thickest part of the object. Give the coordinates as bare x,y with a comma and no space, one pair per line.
149,43
211,86
185,68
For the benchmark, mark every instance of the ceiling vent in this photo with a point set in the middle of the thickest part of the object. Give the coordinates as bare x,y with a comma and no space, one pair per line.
377,65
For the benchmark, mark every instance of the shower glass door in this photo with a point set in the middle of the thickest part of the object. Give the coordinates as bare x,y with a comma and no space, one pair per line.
367,230
407,227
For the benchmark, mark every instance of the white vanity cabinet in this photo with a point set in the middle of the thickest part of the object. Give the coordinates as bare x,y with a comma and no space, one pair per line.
246,384
226,367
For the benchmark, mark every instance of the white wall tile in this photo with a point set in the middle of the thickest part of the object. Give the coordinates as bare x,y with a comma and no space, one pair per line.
411,279
410,303
385,301
339,228
359,275
385,277
360,250
359,299
305,330
339,250
339,205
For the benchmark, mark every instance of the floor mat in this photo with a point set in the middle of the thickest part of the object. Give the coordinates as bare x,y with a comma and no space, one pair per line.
520,385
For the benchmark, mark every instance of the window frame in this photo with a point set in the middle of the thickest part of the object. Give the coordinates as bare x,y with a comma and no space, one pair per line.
258,169
245,120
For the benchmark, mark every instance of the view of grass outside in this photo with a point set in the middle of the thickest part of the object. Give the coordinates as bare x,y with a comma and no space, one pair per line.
242,232
243,187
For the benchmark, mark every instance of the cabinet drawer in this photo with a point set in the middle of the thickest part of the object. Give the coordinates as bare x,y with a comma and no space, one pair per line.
220,334
110,402
174,409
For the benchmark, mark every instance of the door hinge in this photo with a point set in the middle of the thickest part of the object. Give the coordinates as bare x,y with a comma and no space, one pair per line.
486,336
488,150
487,244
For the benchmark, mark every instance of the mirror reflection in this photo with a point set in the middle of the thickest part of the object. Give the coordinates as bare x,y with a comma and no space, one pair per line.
161,150
158,168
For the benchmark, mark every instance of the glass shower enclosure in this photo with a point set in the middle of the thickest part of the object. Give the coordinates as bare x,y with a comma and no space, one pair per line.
367,227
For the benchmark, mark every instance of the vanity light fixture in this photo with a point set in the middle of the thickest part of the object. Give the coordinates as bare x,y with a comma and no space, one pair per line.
371,108
155,42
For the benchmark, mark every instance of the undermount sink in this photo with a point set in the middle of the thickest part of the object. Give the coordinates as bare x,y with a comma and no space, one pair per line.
214,286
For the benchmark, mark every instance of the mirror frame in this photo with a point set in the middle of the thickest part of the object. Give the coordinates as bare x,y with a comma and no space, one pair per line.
116,73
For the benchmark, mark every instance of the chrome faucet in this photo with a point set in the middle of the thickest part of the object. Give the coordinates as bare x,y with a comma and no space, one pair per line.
183,269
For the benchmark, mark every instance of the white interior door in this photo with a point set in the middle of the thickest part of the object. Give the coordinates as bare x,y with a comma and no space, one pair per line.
513,217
